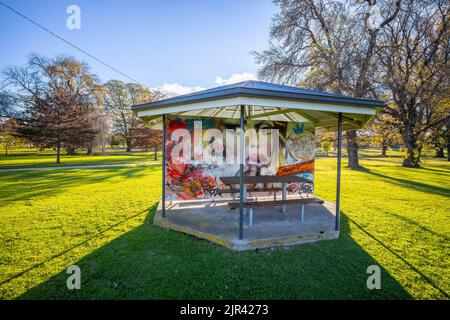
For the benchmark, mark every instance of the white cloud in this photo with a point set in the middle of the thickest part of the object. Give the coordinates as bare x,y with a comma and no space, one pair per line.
236,77
176,89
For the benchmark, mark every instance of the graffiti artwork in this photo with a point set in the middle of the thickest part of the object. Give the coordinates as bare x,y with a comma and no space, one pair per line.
201,150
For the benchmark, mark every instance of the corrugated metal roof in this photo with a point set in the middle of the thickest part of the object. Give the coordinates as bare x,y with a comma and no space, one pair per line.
261,89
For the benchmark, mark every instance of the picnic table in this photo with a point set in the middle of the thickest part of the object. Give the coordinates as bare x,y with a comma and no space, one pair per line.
251,180
264,179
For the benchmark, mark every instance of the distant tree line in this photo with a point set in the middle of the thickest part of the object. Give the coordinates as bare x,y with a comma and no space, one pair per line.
396,51
58,103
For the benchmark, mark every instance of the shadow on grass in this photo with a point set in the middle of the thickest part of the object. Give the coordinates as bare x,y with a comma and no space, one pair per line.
411,184
446,172
411,266
413,223
30,185
68,250
83,162
152,263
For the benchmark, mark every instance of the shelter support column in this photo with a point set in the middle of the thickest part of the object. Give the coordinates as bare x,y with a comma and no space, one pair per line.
163,196
241,173
338,179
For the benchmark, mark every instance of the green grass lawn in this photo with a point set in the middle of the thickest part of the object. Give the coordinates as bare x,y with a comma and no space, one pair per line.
30,158
100,219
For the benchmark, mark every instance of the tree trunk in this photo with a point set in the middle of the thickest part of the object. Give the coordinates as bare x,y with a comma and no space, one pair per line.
352,150
383,149
128,142
89,150
419,154
412,156
58,154
70,150
440,152
448,150
155,154
103,147
411,159
448,139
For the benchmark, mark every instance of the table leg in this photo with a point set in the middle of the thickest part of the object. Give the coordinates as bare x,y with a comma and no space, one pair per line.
283,196
245,195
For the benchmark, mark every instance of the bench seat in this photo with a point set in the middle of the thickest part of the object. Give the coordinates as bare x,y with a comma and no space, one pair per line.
275,203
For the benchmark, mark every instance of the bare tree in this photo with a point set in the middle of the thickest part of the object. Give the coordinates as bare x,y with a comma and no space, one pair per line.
103,125
7,109
328,45
118,100
414,57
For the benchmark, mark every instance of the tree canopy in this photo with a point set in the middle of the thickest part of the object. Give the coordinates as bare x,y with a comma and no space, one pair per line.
392,50
54,101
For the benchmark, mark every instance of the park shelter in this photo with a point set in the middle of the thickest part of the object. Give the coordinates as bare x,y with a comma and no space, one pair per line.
241,105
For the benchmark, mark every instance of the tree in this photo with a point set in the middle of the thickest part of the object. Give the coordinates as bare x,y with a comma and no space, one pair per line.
146,139
6,110
56,98
414,59
118,100
447,126
327,146
438,137
7,138
330,46
116,140
103,125
381,132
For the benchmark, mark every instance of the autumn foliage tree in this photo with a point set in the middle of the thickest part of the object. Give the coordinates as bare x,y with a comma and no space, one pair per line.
57,121
55,99
146,138
382,132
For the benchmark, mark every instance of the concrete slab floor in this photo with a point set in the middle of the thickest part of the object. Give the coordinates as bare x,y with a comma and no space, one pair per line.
214,221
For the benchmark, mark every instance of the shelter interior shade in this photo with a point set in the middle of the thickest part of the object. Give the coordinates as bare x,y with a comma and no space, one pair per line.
317,118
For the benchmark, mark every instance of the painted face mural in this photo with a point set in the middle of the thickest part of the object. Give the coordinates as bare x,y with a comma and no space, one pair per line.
201,150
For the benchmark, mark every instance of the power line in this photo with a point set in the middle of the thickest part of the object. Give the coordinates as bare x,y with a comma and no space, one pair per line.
70,44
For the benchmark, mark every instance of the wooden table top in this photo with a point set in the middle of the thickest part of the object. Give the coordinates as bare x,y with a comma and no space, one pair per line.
264,179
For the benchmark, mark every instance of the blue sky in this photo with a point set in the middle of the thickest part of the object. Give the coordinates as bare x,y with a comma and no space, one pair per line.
177,45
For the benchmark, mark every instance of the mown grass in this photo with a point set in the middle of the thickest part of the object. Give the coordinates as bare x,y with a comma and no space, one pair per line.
30,158
99,219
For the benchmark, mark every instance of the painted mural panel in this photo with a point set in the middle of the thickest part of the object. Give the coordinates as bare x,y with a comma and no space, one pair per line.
201,150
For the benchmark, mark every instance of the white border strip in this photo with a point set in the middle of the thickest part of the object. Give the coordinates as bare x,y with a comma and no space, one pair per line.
262,102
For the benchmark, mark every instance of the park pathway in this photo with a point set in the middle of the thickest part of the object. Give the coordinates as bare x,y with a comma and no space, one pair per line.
83,167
